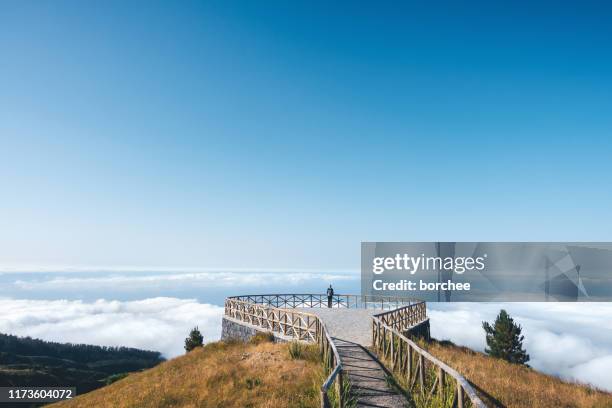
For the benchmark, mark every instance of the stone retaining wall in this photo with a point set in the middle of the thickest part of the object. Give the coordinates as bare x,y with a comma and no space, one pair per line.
237,330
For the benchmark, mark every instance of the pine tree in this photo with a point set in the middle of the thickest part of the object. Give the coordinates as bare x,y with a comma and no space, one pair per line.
195,339
504,339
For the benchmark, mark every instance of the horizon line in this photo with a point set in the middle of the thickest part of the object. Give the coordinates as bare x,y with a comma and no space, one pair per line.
189,269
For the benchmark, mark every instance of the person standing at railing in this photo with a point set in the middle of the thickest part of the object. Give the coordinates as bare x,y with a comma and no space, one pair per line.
330,296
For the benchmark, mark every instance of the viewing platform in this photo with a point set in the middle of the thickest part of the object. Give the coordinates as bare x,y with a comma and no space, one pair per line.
364,340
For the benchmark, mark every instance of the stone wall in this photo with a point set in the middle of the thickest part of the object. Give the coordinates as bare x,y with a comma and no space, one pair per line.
237,330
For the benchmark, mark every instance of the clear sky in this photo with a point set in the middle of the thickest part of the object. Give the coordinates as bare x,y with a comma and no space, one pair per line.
281,135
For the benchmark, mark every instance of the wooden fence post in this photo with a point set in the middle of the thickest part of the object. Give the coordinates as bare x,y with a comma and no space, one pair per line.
400,357
392,350
339,389
441,383
384,342
459,395
409,368
422,373
284,327
324,400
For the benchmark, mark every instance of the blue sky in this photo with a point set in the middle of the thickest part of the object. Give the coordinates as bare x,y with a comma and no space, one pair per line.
233,134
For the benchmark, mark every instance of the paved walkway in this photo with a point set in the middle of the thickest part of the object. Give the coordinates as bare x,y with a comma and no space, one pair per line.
348,324
351,330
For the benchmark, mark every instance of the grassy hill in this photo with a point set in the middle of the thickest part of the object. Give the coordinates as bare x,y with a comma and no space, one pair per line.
28,362
501,384
222,374
265,374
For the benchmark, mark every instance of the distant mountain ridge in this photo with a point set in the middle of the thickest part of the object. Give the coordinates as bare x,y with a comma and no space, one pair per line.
25,361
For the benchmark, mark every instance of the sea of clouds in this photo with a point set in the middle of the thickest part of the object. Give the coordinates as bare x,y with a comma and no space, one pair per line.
144,309
156,312
202,279
159,324
206,286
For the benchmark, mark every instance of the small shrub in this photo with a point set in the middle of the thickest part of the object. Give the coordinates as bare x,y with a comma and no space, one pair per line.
252,383
262,337
115,377
296,350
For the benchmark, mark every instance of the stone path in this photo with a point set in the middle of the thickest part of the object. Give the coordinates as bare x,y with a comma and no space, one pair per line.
351,330
367,377
348,324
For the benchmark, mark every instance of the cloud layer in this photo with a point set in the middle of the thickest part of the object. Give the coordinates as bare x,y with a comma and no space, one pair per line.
573,341
157,324
570,340
205,286
208,279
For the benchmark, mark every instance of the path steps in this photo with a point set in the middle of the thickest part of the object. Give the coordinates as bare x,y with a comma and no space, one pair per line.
351,331
367,377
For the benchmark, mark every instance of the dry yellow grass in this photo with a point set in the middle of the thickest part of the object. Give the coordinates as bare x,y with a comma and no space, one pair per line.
218,375
502,384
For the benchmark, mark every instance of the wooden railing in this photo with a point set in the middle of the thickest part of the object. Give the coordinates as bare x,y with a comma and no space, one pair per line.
332,362
314,300
429,380
288,322
405,317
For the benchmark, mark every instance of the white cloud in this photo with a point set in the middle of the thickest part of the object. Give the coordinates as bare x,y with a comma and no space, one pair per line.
596,372
156,324
203,279
570,340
